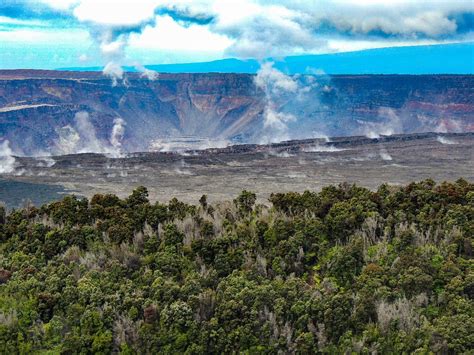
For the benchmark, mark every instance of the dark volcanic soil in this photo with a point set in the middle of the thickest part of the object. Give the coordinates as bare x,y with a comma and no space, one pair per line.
15,194
290,166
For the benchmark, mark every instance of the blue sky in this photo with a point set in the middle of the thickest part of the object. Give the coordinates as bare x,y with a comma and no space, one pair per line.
70,33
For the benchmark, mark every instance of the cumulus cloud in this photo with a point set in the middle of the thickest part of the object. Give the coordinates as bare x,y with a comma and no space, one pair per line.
110,24
115,13
171,34
262,28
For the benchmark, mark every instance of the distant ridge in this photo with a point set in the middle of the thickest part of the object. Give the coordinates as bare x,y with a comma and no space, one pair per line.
457,58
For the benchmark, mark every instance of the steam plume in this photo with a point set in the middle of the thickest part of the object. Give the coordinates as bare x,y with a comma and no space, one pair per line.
384,154
82,137
114,71
68,139
446,125
146,73
118,132
276,85
317,148
285,97
390,124
89,141
444,140
7,160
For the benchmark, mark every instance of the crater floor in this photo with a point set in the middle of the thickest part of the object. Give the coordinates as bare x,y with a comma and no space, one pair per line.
289,166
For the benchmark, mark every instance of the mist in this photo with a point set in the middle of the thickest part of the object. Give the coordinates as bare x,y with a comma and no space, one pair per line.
444,140
7,160
82,137
118,131
286,97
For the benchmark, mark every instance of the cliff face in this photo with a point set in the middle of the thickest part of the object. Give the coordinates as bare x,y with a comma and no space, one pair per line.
36,105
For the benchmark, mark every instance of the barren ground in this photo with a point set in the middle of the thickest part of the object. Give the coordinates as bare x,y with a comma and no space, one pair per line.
223,173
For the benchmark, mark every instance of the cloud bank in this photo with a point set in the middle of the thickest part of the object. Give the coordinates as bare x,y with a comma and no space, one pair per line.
249,28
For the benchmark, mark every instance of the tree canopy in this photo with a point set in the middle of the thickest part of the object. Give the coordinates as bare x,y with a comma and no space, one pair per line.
342,270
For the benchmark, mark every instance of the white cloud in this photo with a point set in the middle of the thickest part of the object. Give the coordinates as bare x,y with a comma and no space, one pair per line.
262,28
115,13
4,20
113,48
339,45
45,36
60,4
432,23
83,58
168,34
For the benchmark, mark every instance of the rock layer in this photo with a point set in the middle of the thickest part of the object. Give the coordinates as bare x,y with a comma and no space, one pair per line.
35,105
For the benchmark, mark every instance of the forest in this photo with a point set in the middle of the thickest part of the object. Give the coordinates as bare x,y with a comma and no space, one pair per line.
343,270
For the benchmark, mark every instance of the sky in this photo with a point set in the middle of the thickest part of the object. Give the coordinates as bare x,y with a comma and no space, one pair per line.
52,34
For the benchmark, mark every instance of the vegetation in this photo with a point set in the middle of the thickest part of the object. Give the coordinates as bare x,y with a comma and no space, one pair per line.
343,270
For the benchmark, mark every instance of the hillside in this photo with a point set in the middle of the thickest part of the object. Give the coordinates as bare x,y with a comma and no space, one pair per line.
455,58
346,270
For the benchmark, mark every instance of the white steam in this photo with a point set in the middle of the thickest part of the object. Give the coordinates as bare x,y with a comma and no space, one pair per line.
149,74
68,140
7,160
321,149
273,81
321,136
82,137
182,144
45,162
276,124
384,154
276,86
285,97
390,124
114,71
182,168
444,140
118,131
447,125
283,154
89,142
146,73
